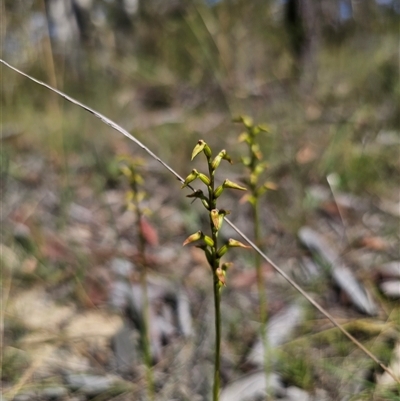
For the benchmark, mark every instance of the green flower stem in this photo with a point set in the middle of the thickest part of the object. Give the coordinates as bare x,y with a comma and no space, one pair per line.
217,360
261,296
145,332
216,285
146,336
256,167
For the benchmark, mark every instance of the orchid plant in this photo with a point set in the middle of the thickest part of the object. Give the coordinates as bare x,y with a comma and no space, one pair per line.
213,250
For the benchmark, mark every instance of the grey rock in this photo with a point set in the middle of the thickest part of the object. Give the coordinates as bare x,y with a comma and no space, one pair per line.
80,214
391,269
123,344
184,315
90,385
249,387
121,267
391,288
297,394
356,292
390,207
388,138
120,294
319,193
54,393
28,396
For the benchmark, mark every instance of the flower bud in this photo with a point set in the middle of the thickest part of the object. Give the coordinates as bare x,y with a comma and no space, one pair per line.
229,184
227,158
222,213
225,266
215,218
263,127
205,204
218,191
245,198
271,185
207,151
247,121
222,251
232,243
140,196
259,169
208,240
129,196
131,207
221,275
137,178
191,177
253,178
204,179
246,161
198,148
217,160
244,136
194,237
255,148
261,191
125,170
248,198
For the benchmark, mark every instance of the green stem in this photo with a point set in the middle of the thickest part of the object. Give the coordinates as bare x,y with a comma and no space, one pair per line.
216,285
217,360
261,296
146,336
146,309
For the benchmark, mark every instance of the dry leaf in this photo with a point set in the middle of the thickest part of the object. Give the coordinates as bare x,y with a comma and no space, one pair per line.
305,155
374,243
148,231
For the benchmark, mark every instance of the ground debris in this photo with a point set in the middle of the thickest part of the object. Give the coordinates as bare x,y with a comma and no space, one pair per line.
340,273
